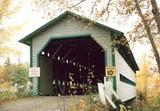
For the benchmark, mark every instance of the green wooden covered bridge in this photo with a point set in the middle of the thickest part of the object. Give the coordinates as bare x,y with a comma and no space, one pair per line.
73,53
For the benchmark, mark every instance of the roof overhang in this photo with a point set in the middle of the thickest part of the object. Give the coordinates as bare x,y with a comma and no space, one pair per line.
126,53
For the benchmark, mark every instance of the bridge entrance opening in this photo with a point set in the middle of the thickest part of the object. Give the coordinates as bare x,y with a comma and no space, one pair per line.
71,66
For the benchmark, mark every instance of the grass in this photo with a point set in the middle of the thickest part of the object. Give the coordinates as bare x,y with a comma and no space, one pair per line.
6,92
152,104
90,103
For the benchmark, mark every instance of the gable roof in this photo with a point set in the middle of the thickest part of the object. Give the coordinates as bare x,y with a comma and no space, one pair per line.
27,38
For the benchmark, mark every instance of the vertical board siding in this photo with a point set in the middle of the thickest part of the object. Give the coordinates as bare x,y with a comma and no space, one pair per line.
109,57
46,76
35,84
125,90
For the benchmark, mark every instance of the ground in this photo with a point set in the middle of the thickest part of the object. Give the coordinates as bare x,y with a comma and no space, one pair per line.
40,103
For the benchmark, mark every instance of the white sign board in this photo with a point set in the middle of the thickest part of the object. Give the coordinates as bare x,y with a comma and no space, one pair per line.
34,72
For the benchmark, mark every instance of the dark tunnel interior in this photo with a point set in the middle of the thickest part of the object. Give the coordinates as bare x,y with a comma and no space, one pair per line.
71,66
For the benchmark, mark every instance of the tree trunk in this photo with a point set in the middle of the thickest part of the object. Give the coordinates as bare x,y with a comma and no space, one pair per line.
156,13
149,34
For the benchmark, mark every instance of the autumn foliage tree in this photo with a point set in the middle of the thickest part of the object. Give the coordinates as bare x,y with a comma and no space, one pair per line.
3,13
142,77
147,82
146,28
146,23
8,9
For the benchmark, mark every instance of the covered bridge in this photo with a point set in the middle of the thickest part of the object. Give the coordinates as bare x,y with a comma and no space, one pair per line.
73,54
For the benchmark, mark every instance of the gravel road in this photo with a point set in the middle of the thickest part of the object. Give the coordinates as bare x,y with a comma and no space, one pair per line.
41,103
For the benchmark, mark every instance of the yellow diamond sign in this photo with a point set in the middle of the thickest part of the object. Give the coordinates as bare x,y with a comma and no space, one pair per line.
110,71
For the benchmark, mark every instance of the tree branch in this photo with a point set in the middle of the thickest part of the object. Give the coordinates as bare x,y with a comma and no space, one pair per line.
77,4
148,31
156,13
106,9
93,8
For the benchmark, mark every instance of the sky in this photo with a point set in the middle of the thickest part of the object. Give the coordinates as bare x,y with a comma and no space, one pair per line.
34,20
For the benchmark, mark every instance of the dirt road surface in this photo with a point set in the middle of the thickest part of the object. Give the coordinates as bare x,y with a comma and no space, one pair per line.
41,103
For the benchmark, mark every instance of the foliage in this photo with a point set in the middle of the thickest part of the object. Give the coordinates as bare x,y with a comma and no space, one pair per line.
8,9
148,98
151,105
144,24
19,78
7,92
91,103
147,82
19,74
88,88
14,81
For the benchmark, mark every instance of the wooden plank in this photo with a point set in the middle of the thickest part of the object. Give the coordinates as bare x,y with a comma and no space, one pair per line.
101,93
105,93
65,56
59,47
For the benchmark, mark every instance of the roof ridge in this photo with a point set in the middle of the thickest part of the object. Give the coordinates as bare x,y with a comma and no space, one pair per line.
59,17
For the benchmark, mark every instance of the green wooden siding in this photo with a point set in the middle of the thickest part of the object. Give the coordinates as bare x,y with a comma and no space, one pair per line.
46,76
31,79
111,62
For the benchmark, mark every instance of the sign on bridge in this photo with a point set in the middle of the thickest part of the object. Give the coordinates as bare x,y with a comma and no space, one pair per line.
110,71
34,72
